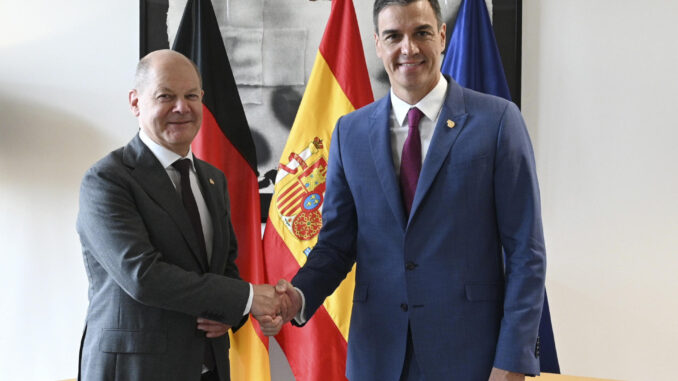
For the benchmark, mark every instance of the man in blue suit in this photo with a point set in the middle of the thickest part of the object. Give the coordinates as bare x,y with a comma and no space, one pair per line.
425,189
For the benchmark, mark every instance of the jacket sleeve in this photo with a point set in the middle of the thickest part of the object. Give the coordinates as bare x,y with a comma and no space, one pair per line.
231,270
520,228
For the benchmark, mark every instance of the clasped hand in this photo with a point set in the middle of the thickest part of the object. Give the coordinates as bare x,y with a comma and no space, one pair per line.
271,306
275,306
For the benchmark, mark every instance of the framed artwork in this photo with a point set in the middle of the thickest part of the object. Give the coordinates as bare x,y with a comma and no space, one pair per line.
272,45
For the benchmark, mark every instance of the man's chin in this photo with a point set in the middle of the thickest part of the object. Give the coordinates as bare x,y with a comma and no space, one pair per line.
180,125
181,137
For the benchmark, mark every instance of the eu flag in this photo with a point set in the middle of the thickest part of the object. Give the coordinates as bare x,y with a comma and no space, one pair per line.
473,60
472,56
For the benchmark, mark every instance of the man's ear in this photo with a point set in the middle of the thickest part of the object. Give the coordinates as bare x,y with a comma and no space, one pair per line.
376,44
134,101
443,35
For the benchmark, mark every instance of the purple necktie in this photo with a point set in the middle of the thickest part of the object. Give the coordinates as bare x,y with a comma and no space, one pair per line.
410,164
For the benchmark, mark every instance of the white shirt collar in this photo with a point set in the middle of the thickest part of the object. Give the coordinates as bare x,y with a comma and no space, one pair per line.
430,104
164,156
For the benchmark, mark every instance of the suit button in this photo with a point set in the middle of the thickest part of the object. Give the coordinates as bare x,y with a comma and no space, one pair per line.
410,266
403,307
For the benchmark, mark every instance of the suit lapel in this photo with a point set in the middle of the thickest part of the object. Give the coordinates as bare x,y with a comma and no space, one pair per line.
150,174
380,143
442,141
210,193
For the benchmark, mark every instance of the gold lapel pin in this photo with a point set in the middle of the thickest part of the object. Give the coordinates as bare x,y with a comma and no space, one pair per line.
211,181
450,123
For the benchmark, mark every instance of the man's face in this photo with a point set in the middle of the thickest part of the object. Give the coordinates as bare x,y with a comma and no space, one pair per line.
410,45
169,103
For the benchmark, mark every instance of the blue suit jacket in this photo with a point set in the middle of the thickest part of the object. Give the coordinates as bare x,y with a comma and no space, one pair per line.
440,270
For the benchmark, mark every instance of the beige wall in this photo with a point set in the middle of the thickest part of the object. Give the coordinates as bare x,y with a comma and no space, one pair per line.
599,85
600,89
64,73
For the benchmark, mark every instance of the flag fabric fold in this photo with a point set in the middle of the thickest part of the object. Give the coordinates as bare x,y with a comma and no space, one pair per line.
339,83
225,141
472,59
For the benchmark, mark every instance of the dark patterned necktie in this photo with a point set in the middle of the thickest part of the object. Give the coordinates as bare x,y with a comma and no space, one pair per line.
410,164
184,166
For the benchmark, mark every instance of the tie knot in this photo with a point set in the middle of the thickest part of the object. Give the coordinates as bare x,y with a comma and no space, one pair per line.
182,165
413,117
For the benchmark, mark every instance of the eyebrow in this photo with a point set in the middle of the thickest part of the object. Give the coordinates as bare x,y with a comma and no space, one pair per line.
163,89
389,31
419,28
424,26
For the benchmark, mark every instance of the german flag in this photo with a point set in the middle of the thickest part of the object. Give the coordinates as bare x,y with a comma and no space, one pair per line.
339,84
225,141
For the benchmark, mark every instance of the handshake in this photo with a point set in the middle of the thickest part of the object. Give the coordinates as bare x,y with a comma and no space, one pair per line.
272,306
275,306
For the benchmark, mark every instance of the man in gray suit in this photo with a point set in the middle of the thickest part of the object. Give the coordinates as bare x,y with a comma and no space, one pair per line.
158,244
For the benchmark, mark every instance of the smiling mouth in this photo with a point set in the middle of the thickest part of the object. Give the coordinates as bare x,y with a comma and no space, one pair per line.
410,64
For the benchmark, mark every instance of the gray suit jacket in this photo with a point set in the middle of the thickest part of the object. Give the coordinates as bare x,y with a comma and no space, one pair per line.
147,282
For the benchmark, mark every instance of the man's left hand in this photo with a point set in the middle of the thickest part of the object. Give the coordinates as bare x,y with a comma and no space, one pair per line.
504,375
270,326
212,328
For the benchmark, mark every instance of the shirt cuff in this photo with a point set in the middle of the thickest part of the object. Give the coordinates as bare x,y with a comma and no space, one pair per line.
300,318
248,307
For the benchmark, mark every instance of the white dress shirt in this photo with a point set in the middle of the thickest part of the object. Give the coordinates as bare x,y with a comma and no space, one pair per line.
166,159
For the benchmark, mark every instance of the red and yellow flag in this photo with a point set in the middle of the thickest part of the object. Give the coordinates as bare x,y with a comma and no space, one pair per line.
225,141
339,84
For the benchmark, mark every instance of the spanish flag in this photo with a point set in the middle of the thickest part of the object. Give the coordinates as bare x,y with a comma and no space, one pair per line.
225,141
339,84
